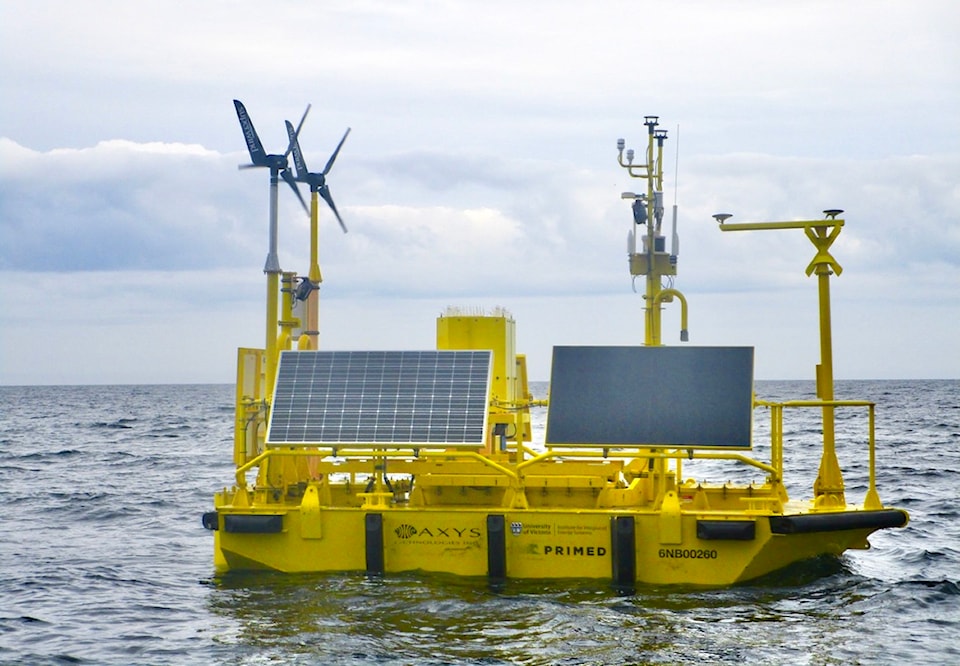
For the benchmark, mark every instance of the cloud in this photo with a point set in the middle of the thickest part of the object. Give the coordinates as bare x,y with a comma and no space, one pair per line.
119,205
480,170
899,211
438,223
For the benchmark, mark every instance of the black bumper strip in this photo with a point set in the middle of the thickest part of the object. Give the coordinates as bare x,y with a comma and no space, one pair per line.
496,547
727,530
259,523
834,522
623,544
373,523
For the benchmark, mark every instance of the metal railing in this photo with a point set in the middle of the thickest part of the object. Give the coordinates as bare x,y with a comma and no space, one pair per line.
515,471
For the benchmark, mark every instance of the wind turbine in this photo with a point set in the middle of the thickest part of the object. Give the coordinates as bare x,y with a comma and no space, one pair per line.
279,168
308,289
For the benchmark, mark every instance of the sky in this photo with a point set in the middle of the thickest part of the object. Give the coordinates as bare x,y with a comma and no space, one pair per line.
480,172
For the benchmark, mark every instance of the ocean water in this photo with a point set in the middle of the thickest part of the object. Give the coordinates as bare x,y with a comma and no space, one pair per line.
103,559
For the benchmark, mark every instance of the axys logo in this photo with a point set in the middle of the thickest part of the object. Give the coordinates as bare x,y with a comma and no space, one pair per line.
406,531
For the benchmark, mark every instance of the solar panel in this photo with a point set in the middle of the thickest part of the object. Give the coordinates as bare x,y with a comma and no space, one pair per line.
687,397
421,398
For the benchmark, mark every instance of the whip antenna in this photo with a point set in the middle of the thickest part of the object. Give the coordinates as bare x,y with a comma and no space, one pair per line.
676,172
675,240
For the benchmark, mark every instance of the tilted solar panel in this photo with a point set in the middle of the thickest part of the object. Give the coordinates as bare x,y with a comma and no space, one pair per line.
421,398
686,397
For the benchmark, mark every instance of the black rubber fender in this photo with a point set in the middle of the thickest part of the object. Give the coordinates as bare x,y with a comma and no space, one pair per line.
837,521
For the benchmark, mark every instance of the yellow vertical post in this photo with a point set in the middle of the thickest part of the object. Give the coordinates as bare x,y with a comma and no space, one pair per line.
272,269
273,291
828,488
872,499
652,318
313,300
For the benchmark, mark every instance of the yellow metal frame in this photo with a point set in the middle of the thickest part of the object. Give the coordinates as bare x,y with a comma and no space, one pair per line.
828,488
317,499
251,405
521,474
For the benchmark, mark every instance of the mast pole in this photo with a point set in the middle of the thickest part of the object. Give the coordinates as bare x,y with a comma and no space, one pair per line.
652,311
314,275
272,270
652,261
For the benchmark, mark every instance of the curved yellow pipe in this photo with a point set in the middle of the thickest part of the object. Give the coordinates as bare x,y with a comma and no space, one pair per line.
684,336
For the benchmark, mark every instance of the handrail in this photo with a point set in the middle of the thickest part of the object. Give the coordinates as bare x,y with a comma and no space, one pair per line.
652,453
515,472
872,498
365,453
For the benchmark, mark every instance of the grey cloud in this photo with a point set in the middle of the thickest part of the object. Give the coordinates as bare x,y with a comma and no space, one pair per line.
123,206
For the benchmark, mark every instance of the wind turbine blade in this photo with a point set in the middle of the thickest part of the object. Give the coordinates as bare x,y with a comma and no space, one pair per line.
325,193
257,154
299,127
288,177
336,152
297,153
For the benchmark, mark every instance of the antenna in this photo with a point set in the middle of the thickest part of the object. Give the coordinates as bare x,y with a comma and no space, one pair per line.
676,171
675,238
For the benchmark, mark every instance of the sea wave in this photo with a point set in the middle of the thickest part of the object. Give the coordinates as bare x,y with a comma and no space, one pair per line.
104,559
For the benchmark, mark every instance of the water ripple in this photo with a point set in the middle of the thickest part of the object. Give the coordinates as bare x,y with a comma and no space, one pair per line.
104,560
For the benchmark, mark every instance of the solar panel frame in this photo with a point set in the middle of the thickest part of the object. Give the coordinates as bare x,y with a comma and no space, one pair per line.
651,397
381,398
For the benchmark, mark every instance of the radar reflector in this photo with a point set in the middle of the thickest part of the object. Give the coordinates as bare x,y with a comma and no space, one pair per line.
682,397
378,398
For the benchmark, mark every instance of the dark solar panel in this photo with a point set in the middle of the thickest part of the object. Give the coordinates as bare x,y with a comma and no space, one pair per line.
420,398
688,397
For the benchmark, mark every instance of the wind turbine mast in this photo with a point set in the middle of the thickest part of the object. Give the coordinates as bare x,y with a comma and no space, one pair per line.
279,168
309,290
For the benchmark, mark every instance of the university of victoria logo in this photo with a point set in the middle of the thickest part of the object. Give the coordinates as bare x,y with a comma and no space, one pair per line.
516,528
